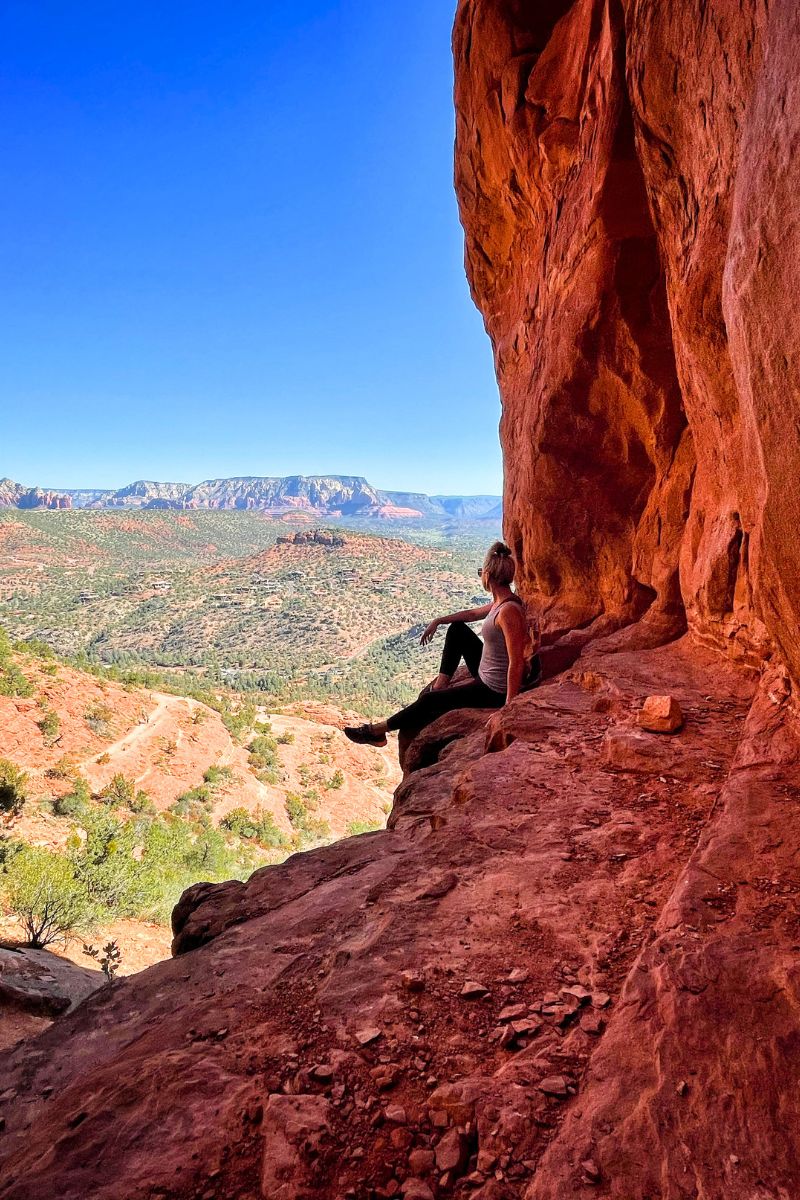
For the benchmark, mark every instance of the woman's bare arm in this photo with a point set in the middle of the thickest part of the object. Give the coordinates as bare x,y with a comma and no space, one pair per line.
511,620
466,615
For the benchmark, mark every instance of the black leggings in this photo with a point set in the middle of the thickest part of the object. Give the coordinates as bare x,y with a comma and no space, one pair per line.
460,643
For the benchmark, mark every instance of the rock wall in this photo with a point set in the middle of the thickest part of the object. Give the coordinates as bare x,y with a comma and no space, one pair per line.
627,174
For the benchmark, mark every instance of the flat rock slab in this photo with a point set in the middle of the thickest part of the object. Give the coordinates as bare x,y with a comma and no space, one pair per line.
41,983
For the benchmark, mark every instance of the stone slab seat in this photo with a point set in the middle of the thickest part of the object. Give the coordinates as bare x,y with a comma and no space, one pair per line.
423,749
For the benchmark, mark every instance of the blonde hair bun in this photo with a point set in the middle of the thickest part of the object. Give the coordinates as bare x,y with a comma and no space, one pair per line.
499,566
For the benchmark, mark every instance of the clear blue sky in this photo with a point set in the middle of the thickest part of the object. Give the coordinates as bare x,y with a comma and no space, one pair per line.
229,245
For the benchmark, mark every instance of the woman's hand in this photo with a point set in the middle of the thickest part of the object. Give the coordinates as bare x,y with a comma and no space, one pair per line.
429,632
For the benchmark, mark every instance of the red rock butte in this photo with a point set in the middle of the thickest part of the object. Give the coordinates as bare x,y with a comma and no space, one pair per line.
571,966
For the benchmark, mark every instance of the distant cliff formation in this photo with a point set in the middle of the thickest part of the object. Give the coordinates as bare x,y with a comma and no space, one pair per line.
15,495
327,495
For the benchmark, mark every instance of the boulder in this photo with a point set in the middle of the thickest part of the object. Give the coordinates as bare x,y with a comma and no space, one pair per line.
660,714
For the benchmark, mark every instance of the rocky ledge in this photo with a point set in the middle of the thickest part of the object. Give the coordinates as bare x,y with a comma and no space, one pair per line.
570,967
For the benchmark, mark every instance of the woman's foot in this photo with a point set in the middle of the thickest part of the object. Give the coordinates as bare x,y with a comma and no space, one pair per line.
365,735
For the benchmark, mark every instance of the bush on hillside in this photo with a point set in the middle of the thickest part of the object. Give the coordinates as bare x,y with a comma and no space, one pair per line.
311,830
217,775
258,827
365,826
74,802
12,680
45,894
13,789
123,793
98,717
49,723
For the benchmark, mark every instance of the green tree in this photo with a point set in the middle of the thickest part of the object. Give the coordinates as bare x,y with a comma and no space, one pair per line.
47,897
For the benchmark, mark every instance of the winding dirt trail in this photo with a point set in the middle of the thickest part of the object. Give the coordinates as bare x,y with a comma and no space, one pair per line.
158,720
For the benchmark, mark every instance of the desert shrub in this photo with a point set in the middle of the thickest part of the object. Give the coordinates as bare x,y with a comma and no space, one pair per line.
296,809
142,804
202,795
119,792
285,739
310,829
336,781
365,826
74,802
12,680
13,789
263,758
36,648
50,724
259,827
105,863
217,775
63,769
263,751
315,830
98,717
239,721
50,901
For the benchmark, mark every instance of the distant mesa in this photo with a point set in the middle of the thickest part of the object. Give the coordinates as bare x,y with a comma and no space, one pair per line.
301,497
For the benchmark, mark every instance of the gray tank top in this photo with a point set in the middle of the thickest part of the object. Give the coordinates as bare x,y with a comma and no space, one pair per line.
493,670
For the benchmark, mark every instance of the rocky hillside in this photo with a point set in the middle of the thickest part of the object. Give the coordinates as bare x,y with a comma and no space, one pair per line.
570,966
92,752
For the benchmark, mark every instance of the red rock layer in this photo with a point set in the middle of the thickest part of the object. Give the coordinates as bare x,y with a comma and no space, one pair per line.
628,179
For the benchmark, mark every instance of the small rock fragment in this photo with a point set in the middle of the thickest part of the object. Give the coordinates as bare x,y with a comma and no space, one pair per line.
660,714
412,981
591,1170
511,1012
581,994
416,1189
420,1162
452,1152
554,1085
323,1073
473,990
518,975
365,1037
396,1114
682,1087
600,999
592,1023
385,1076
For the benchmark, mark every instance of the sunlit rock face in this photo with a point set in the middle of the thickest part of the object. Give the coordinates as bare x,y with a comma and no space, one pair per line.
628,182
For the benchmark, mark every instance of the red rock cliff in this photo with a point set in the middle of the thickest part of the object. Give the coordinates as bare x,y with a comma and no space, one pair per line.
628,181
570,967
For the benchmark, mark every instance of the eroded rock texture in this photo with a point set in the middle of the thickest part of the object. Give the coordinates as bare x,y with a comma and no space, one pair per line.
570,966
628,180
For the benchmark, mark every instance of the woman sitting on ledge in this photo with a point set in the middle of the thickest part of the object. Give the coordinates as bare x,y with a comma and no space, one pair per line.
500,665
